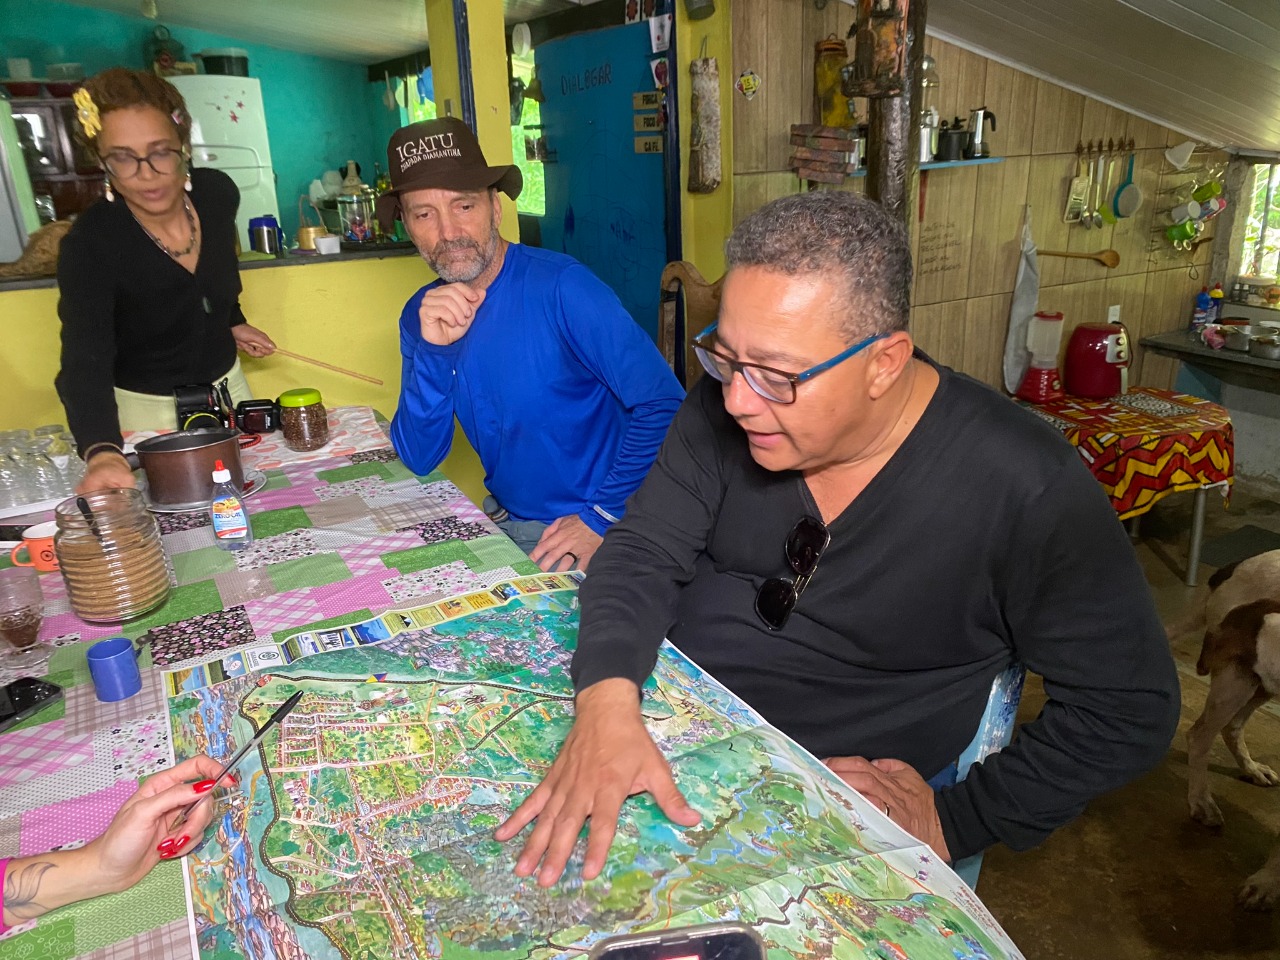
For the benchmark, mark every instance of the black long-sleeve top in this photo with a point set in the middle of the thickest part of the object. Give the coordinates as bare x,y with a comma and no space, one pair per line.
132,317
982,542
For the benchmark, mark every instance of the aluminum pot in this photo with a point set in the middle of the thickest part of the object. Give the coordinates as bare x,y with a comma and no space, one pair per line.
179,466
1237,337
1268,348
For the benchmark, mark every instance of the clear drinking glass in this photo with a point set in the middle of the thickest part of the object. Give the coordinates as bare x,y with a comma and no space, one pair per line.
15,475
21,613
45,477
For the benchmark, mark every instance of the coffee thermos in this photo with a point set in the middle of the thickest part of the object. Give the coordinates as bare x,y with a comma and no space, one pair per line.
952,141
265,235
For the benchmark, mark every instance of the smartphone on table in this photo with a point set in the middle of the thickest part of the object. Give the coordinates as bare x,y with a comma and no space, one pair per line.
710,941
25,697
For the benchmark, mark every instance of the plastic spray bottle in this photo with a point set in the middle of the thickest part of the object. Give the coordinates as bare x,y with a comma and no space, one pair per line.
231,529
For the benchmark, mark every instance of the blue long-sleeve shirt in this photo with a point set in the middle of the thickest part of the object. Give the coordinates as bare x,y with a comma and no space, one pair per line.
563,396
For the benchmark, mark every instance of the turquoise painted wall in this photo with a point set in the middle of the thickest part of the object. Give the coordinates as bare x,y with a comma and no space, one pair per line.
320,112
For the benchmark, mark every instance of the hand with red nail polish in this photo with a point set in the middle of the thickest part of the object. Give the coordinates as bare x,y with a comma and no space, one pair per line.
134,842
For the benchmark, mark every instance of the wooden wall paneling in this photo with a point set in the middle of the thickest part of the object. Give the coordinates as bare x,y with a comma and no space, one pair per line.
1166,306
789,60
986,327
939,330
1059,115
1011,95
1101,120
946,235
1048,180
750,120
1147,134
751,191
1130,293
1080,240
1132,237
997,226
1159,372
963,77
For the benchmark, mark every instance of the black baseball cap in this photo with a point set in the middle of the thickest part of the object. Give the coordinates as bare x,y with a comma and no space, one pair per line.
445,154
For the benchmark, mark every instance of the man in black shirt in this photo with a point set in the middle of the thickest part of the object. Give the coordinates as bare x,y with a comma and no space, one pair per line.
856,541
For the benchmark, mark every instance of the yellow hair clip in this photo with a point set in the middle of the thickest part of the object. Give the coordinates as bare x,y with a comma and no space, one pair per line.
87,111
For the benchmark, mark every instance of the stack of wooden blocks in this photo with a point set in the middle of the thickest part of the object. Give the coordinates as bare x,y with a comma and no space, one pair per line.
824,154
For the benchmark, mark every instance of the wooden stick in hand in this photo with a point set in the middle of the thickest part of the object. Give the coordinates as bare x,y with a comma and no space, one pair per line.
328,366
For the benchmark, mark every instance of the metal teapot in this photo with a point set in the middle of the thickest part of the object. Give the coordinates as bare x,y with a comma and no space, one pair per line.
977,145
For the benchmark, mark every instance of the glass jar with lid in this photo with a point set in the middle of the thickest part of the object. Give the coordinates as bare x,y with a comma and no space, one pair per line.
830,105
303,419
111,556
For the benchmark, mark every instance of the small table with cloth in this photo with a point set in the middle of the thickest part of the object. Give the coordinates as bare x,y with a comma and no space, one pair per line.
1148,443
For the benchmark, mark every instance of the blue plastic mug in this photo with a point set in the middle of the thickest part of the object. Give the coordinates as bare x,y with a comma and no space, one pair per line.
113,664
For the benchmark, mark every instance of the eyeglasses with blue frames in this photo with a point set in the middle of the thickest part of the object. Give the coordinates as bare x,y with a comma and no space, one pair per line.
776,385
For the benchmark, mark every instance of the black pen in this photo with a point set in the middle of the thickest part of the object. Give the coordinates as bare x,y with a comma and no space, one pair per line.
240,754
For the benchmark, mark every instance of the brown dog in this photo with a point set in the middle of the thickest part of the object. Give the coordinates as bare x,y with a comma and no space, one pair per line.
1241,654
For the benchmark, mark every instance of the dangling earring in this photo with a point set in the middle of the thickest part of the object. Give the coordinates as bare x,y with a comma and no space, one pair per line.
187,186
111,197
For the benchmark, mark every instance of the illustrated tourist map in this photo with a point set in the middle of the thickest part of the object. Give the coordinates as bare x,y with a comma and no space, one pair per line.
362,827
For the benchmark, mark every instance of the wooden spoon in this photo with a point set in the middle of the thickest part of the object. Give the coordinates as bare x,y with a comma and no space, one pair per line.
1108,258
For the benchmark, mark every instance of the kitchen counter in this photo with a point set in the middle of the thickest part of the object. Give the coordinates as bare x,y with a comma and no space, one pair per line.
1248,386
1234,365
294,260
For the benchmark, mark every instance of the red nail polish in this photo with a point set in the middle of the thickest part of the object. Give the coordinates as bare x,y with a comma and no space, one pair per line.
235,781
165,847
203,786
181,843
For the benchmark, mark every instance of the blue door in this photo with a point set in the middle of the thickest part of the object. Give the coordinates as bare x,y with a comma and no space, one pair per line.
606,203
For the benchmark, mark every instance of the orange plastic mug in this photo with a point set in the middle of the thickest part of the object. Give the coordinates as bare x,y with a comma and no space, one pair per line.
37,541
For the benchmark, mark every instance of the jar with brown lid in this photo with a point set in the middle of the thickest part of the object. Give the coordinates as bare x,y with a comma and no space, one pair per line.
112,561
303,419
830,105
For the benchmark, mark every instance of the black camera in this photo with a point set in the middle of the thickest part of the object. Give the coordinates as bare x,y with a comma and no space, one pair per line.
258,416
204,405
209,405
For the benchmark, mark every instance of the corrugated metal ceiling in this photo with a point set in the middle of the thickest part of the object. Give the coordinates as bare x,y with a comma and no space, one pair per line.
1210,68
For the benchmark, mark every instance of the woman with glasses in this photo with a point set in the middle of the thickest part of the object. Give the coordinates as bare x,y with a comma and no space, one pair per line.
149,282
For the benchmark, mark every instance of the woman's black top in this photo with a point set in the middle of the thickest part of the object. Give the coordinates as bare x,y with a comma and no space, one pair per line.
133,317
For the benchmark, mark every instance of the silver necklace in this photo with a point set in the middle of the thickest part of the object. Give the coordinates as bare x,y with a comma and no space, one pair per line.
191,220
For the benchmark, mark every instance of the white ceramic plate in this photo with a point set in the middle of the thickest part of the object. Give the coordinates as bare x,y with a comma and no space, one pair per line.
254,481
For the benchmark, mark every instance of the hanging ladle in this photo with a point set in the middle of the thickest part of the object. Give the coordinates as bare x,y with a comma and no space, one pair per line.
1108,258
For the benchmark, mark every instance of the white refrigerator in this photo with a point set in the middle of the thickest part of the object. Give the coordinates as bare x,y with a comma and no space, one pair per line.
18,217
229,133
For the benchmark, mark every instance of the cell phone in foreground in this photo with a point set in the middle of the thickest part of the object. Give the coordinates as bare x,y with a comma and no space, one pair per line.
25,697
709,941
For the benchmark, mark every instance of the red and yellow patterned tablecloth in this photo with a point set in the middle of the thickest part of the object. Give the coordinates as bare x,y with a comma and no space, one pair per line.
1148,443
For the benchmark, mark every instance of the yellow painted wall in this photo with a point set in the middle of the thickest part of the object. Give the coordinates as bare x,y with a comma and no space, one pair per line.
706,218
345,313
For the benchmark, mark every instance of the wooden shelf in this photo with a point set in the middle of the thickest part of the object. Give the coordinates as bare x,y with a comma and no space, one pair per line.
948,164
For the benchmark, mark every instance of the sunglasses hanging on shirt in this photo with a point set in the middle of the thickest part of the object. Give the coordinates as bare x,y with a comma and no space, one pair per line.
778,596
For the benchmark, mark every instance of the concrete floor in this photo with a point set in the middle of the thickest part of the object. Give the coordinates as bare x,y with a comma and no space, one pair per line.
1135,877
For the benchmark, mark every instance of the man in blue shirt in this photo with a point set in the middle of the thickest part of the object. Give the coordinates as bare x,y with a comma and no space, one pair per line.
563,396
